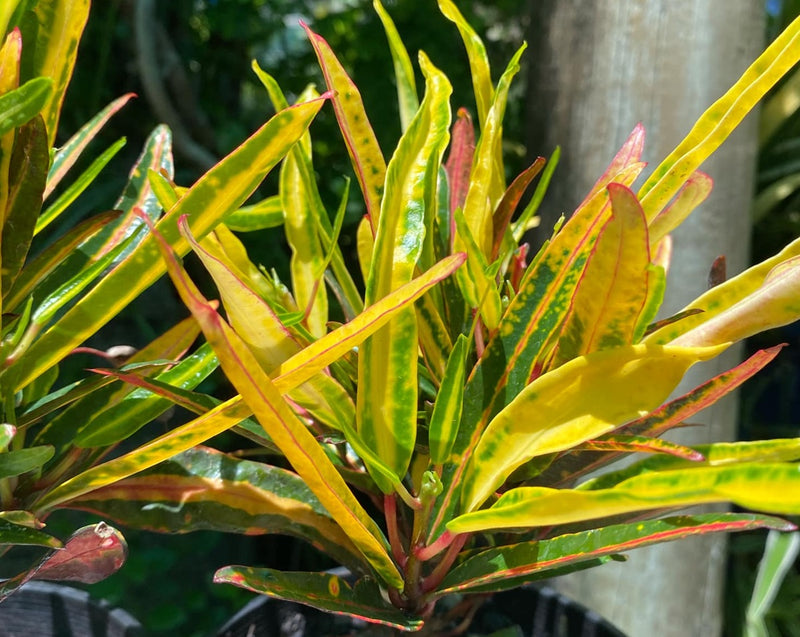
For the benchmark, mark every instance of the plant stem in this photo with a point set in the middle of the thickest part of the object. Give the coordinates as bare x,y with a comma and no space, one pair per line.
442,568
390,512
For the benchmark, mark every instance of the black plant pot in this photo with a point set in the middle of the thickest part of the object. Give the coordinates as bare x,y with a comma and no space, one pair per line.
536,611
42,609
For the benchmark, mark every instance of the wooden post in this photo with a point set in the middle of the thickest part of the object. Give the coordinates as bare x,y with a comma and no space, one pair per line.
596,69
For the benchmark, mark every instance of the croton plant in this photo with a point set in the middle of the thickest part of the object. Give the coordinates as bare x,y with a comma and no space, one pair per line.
435,433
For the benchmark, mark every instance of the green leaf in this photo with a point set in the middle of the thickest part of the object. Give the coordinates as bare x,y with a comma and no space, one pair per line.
138,195
403,70
17,534
203,489
780,553
45,263
769,487
587,397
325,591
74,190
15,463
387,362
446,414
142,406
506,567
66,156
267,213
220,191
24,103
26,181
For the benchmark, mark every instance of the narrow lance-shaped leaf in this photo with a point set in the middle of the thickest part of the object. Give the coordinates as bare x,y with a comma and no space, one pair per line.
297,370
325,591
307,221
446,414
220,191
501,219
720,120
26,181
268,339
403,71
15,463
66,156
775,303
584,398
694,192
506,567
301,208
24,103
459,164
725,295
387,363
45,262
780,553
60,26
613,289
74,190
284,427
769,487
484,195
138,195
365,153
714,455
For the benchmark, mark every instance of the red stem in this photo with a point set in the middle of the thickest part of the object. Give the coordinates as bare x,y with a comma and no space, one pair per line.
442,568
390,511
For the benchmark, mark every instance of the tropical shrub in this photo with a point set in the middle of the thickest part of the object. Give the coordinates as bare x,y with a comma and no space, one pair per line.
435,433
61,283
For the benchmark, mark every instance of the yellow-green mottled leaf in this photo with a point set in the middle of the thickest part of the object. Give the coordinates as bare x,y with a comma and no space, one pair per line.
321,353
284,427
720,120
387,363
325,591
61,24
220,191
476,281
613,290
775,303
267,213
268,339
735,292
587,397
203,489
365,153
300,215
694,192
483,195
768,487
403,71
